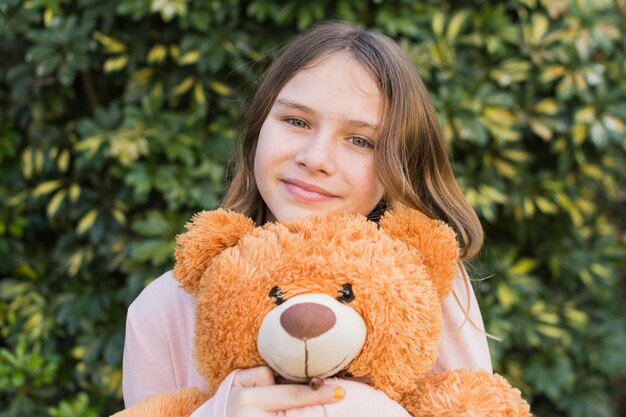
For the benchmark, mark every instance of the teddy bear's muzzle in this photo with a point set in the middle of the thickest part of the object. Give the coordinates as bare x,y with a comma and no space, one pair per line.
310,336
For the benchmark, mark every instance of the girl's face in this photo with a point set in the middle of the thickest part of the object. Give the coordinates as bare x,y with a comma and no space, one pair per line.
315,151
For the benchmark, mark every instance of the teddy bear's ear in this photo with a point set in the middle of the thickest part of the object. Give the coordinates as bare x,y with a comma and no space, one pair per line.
208,234
434,240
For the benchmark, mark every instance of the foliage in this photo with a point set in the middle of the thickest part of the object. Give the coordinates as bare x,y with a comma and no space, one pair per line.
117,119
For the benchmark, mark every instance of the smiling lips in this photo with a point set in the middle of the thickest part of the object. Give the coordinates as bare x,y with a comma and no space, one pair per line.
303,191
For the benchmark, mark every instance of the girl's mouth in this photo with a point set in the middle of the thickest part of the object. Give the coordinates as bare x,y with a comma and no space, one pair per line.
304,191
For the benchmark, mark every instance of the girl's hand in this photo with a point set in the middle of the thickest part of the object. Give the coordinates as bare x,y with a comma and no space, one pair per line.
254,393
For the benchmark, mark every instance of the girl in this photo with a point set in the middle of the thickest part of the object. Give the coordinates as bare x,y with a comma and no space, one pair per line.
341,121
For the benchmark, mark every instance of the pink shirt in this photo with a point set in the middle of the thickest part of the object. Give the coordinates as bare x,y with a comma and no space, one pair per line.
159,343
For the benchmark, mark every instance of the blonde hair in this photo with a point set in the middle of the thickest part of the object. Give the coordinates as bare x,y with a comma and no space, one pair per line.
411,158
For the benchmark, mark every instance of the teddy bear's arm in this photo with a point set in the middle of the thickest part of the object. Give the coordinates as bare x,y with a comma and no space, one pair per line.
181,403
465,392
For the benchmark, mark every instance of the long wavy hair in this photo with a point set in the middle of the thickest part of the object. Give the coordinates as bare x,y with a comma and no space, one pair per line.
410,157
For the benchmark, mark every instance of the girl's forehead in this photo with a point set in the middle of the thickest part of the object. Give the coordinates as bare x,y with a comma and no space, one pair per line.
336,82
342,66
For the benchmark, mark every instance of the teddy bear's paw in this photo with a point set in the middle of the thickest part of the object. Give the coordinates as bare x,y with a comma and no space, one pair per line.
466,393
181,403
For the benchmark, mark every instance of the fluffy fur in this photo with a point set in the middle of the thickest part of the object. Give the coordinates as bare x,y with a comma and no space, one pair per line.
399,270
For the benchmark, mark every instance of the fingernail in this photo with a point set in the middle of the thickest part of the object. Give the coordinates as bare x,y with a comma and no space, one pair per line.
338,393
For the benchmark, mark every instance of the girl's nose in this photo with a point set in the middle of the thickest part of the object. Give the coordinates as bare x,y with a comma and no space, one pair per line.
317,154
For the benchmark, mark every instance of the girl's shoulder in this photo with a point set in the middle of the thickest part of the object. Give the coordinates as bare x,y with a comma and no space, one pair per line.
163,297
159,341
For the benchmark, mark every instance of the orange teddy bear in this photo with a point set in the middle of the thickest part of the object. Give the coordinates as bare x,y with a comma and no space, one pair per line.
326,296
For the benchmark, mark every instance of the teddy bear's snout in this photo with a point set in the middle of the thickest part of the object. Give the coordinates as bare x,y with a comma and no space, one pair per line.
307,320
310,336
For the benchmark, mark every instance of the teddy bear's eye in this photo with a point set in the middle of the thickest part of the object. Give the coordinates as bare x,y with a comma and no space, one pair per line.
276,294
345,294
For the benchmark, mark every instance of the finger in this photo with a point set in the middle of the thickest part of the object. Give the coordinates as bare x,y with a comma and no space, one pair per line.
253,377
285,397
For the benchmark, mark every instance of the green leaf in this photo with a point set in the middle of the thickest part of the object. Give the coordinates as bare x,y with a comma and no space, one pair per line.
87,221
153,225
115,63
455,25
46,188
155,251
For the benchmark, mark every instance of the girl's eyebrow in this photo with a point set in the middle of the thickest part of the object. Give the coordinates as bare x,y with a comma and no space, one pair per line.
283,102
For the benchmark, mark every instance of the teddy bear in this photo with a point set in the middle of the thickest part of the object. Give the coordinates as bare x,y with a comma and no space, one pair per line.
327,296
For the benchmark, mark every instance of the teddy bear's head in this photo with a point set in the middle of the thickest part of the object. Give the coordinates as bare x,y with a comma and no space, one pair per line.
314,297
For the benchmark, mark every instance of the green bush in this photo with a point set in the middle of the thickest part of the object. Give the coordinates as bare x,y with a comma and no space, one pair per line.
117,119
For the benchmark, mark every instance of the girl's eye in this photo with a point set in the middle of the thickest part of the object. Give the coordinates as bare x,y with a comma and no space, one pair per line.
361,142
296,122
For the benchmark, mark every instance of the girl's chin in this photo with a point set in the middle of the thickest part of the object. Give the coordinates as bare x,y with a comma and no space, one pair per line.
296,213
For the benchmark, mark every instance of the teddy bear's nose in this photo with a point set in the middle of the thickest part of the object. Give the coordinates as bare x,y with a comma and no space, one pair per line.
307,320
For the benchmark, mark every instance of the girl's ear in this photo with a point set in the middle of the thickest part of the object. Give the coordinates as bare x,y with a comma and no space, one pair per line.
208,234
434,240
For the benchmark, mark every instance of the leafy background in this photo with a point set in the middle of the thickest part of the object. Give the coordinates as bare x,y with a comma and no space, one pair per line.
117,120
